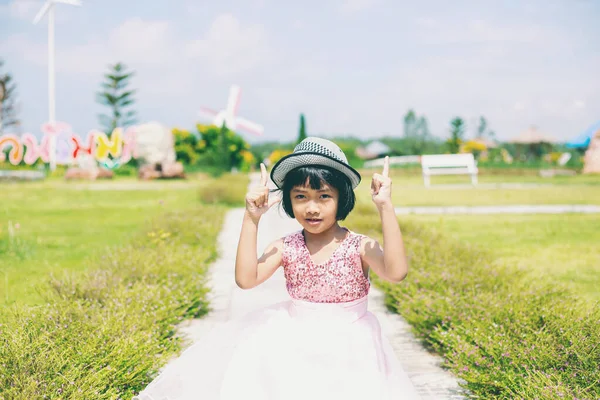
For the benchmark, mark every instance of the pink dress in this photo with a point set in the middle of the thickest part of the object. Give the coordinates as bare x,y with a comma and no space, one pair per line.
320,344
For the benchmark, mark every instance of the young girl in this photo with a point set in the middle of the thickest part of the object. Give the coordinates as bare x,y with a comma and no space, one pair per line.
322,343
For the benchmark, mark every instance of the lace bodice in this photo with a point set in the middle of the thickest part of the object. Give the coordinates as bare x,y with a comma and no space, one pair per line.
339,279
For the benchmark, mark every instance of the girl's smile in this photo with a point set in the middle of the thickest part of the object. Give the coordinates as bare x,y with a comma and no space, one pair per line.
313,221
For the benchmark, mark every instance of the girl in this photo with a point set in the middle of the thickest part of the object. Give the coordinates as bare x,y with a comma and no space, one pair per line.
322,343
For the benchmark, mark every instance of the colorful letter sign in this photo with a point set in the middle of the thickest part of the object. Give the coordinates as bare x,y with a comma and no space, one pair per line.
110,152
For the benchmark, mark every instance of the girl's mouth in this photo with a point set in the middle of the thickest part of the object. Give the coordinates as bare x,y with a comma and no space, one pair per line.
313,221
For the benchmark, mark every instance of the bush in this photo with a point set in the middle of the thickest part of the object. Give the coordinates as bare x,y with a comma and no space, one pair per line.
507,338
230,190
105,333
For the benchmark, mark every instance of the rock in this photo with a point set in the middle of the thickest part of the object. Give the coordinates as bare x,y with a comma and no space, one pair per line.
75,173
173,170
591,159
104,173
161,171
87,169
147,172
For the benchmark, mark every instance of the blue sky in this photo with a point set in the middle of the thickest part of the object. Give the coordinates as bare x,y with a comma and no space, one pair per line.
351,66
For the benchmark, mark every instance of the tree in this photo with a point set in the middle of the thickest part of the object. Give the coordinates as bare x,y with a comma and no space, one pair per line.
422,129
118,98
483,131
416,133
482,127
8,106
302,131
457,131
410,120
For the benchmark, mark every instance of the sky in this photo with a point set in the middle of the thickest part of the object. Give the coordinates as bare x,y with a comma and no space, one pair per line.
353,67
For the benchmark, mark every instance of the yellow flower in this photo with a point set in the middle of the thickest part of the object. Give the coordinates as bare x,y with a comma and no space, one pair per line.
276,155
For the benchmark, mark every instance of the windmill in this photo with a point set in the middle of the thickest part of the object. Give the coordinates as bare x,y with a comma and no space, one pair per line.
48,8
229,117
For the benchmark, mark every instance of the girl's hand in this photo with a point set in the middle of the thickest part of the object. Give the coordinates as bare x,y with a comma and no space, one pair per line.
381,186
257,199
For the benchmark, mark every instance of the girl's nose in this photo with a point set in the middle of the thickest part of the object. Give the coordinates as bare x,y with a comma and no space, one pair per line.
312,207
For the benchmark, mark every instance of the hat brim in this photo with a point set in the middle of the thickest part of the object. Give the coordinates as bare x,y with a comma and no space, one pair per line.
295,160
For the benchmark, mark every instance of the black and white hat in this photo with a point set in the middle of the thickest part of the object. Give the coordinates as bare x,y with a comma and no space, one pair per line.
314,151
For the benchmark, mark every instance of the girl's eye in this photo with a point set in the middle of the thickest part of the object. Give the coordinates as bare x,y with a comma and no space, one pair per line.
299,196
325,195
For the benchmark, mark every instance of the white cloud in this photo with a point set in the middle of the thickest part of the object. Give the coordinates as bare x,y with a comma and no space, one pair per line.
484,32
354,6
519,106
230,48
26,10
426,22
298,24
21,9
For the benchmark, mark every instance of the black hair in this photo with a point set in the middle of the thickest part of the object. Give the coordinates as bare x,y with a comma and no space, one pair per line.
316,176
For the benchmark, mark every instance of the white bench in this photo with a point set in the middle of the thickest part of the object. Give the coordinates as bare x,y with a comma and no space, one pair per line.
449,164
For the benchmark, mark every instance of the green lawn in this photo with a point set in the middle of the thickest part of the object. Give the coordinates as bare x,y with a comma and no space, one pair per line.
565,246
60,225
558,194
408,190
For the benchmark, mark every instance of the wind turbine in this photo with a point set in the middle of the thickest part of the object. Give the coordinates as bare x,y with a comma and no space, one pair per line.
229,117
48,8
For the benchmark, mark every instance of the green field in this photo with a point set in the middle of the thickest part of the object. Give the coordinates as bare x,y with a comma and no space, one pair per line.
564,246
61,225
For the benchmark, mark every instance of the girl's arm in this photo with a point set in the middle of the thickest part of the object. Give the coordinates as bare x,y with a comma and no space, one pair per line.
391,265
250,271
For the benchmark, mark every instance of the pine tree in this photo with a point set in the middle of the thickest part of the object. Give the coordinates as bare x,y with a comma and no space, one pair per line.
8,106
457,131
302,131
118,98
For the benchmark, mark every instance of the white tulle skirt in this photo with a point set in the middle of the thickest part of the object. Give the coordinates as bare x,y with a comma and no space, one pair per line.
291,350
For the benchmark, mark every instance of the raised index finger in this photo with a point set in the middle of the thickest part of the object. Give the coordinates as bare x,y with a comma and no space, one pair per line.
263,174
386,167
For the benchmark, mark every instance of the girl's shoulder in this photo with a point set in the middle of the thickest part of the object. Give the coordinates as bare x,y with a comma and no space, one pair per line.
365,242
293,237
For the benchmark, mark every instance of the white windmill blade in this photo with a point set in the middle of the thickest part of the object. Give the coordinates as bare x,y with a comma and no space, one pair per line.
249,126
233,101
43,11
70,2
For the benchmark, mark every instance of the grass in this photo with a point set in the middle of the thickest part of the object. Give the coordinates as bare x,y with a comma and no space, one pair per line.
507,336
112,326
509,301
412,176
562,247
61,227
409,190
129,266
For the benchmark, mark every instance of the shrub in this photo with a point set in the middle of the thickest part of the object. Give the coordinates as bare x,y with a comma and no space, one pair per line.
105,333
229,189
507,338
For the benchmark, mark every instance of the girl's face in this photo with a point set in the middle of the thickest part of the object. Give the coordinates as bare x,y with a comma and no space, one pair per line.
316,210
